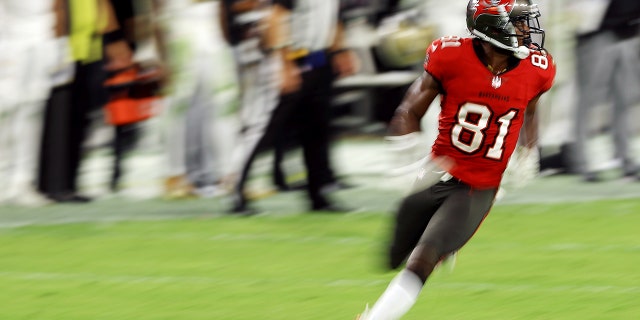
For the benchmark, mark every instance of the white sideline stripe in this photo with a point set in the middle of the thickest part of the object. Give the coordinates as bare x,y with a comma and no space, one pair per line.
465,286
88,219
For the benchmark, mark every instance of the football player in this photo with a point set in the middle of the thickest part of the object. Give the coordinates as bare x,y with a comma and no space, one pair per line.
489,84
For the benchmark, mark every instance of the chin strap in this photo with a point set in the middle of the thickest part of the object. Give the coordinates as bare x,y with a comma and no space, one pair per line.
520,52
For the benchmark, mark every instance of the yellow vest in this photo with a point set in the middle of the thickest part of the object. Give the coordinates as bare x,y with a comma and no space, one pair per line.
86,23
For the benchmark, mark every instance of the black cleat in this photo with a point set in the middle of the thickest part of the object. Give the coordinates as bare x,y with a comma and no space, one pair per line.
69,198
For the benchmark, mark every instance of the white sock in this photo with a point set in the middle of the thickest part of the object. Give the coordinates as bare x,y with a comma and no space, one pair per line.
398,298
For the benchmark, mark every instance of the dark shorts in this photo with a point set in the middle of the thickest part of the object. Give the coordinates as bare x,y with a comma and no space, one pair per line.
444,216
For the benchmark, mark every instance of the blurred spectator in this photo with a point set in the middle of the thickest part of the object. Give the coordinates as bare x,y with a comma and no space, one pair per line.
317,41
257,31
186,36
608,72
313,46
26,45
90,31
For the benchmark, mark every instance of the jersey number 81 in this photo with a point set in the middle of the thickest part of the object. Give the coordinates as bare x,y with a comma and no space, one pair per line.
477,130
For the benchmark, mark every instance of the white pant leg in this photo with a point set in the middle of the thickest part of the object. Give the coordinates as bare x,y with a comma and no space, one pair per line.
27,130
259,85
200,156
173,128
26,95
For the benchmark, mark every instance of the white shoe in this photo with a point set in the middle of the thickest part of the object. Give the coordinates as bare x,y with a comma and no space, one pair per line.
29,198
210,191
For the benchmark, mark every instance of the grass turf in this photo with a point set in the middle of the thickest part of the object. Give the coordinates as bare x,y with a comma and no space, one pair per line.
546,261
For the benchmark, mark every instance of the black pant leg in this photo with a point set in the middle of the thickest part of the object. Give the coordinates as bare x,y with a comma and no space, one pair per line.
54,149
315,135
279,121
88,95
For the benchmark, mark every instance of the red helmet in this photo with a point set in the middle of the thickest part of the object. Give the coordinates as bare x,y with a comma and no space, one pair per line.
497,22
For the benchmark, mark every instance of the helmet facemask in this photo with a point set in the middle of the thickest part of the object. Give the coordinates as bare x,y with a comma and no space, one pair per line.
530,34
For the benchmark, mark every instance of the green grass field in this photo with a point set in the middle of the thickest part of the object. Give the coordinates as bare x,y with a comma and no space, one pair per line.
183,261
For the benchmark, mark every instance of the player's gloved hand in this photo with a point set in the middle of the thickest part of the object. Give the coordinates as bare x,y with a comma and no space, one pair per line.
522,168
407,153
431,172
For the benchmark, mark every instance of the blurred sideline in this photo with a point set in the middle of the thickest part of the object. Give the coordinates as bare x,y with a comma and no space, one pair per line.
362,160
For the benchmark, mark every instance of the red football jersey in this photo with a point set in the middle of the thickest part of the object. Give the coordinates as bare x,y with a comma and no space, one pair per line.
482,114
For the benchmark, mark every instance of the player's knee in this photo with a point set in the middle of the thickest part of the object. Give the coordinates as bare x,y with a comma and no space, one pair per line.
423,260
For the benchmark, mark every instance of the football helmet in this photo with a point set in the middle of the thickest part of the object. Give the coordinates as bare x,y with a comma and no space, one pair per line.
507,24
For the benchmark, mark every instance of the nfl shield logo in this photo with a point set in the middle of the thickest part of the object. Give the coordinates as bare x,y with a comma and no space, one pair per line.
496,82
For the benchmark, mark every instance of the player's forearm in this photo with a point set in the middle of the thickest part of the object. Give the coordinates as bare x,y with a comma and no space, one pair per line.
404,122
407,116
530,138
529,131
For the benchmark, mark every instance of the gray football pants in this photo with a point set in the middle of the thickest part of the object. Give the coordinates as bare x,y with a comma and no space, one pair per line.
443,217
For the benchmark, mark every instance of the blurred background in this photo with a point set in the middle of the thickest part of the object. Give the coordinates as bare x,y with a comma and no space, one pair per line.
143,99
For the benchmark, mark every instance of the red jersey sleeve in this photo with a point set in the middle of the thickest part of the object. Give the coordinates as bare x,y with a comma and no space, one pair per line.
441,57
432,56
546,67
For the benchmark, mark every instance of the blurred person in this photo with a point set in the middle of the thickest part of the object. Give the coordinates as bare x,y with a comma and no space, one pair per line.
490,85
27,39
257,31
313,47
187,38
608,71
319,50
89,34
